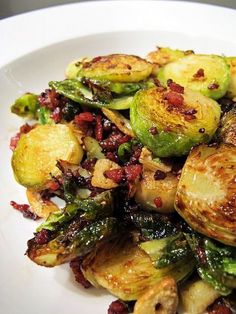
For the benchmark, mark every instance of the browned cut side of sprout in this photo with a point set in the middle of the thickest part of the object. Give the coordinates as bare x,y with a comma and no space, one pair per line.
119,120
161,298
197,296
42,208
99,180
206,193
149,190
228,129
146,159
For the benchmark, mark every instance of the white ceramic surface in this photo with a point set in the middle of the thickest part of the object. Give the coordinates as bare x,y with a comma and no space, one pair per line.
35,48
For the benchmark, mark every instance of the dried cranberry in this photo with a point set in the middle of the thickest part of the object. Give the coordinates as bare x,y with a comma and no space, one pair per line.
99,128
117,307
24,209
115,175
84,117
158,202
132,172
159,175
79,277
219,307
43,237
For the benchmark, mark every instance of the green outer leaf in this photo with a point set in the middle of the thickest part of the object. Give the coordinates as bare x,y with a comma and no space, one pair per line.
44,116
57,251
229,265
75,90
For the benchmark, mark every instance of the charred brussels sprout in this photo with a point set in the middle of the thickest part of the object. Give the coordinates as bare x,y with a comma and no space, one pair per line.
227,132
206,192
231,61
37,152
126,270
115,68
26,106
180,120
148,189
164,55
208,74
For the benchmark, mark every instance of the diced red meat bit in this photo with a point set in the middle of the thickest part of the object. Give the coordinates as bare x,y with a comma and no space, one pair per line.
15,139
99,128
79,277
132,172
117,307
201,130
96,59
199,73
158,202
43,237
174,87
24,209
219,307
201,255
112,156
84,117
53,185
115,175
174,99
89,164
51,99
213,86
153,130
135,156
57,115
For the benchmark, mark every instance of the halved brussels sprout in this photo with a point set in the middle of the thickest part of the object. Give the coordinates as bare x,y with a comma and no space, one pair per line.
26,106
164,55
227,132
114,67
126,270
208,74
37,152
206,192
179,120
231,61
148,189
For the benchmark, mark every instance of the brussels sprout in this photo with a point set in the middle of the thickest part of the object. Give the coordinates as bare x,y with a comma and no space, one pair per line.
126,270
208,74
115,68
227,132
37,152
215,263
179,120
92,147
71,242
231,61
76,91
44,116
148,189
26,106
206,192
164,55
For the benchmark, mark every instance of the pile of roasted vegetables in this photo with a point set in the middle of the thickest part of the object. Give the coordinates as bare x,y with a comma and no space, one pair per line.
142,152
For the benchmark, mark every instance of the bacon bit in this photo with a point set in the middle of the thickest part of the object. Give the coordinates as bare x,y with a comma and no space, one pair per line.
43,237
213,86
201,130
219,307
199,73
201,255
89,164
112,156
132,172
25,128
174,99
99,128
96,59
116,175
51,99
53,185
84,117
114,141
158,202
79,277
57,115
190,111
153,130
25,210
174,87
117,307
159,175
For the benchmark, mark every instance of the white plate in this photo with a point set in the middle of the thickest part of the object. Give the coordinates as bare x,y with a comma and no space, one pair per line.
35,48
